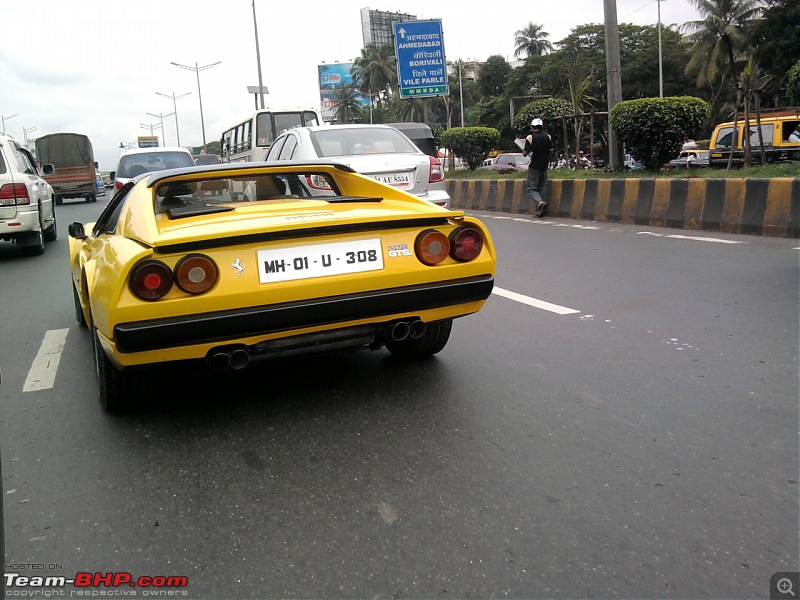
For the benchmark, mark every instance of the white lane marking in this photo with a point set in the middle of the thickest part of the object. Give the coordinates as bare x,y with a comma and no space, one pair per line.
561,310
42,374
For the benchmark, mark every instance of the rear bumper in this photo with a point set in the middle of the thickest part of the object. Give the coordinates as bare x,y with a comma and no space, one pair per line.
230,325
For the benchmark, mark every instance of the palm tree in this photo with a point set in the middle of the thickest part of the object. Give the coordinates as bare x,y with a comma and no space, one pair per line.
375,71
531,41
719,38
579,78
348,108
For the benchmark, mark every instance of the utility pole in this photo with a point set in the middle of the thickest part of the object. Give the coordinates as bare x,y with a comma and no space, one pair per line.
258,59
161,117
613,77
175,112
197,70
660,59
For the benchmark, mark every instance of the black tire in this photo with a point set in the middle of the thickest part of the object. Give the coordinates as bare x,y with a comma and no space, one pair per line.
90,198
51,233
117,389
79,316
432,341
59,200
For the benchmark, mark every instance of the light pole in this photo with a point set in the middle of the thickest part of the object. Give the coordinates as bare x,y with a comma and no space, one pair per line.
258,59
150,126
25,132
660,60
175,106
161,116
4,119
197,70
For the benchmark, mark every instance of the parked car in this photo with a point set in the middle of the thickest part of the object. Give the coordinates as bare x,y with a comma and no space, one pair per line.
690,159
138,161
510,162
631,164
378,151
235,263
27,201
777,124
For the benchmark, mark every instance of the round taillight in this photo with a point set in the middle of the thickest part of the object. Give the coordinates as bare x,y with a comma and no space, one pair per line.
466,243
151,280
195,274
432,247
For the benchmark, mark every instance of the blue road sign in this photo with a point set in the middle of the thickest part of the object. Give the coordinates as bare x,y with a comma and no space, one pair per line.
421,63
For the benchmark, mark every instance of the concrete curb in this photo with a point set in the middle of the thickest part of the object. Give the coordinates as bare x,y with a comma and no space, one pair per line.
769,207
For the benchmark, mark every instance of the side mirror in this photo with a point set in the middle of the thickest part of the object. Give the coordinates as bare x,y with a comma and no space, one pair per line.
48,169
112,175
76,231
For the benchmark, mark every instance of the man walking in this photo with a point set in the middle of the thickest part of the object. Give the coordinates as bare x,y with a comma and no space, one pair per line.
537,146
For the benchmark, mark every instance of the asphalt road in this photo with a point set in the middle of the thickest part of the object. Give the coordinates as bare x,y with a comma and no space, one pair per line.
637,437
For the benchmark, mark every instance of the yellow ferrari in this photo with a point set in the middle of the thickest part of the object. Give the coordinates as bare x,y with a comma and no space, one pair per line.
236,263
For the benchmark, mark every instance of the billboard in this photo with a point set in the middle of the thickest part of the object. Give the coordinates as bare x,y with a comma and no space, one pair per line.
148,141
331,78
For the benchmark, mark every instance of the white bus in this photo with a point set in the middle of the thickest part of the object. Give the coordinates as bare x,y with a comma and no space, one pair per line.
250,140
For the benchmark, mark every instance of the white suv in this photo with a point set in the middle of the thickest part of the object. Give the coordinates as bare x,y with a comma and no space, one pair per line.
27,207
133,163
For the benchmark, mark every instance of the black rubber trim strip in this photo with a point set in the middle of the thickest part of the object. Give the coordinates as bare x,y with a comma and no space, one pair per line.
201,328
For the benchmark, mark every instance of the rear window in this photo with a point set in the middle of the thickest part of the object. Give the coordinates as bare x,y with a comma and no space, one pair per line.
133,165
3,167
355,141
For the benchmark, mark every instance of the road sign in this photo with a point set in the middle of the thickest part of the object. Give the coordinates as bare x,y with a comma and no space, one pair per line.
421,63
148,141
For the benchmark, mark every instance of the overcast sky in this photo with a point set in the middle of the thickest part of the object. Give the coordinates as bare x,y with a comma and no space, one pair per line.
94,66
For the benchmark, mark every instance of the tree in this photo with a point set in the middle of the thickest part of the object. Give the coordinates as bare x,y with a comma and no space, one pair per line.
654,129
472,144
492,76
719,37
775,38
348,108
375,71
531,41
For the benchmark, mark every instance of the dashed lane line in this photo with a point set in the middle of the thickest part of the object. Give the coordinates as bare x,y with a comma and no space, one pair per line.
535,302
42,374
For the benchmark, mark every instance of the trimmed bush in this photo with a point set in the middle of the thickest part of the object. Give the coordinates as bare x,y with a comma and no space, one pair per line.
472,144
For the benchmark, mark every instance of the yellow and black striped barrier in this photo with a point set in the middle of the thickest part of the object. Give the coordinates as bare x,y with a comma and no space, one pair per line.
769,207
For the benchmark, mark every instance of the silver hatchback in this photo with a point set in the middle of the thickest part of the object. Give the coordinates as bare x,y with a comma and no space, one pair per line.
378,151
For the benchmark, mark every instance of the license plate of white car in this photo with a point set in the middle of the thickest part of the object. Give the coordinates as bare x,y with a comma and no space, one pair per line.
319,260
400,180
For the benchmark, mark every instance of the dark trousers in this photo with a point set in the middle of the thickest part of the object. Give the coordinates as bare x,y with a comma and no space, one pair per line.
537,183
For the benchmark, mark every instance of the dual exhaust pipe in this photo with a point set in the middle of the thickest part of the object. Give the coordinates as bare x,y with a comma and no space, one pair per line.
401,330
226,359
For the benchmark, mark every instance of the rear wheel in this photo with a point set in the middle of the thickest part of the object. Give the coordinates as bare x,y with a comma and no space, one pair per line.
117,389
37,248
432,341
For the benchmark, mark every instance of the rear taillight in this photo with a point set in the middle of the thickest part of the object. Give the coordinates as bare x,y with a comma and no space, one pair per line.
466,243
437,172
151,280
195,274
14,193
431,247
117,186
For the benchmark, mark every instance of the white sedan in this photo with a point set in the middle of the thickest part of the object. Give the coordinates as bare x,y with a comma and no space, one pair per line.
378,151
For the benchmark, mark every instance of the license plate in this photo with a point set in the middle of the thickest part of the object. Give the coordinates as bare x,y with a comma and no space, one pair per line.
320,260
401,180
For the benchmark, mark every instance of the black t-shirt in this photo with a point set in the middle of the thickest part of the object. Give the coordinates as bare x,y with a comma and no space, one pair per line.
538,145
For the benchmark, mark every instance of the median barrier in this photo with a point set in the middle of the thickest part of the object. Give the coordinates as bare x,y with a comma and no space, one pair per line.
769,207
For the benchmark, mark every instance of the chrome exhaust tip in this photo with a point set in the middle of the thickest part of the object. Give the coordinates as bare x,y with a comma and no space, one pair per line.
218,362
238,359
416,329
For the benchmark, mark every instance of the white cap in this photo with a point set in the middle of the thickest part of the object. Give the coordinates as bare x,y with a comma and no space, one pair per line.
537,121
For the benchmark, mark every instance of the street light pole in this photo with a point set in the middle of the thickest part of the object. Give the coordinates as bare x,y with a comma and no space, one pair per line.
25,132
660,60
161,116
4,119
258,59
150,126
197,70
175,105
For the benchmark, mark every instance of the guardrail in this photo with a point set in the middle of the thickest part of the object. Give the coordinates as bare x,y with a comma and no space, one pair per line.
769,207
